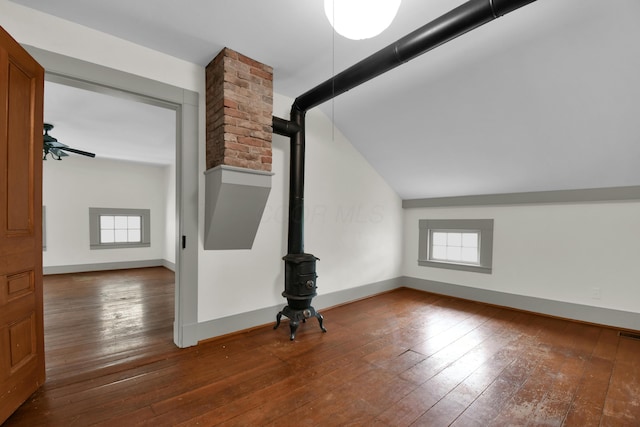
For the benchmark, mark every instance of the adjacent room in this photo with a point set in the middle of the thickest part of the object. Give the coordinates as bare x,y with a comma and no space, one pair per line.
433,225
117,277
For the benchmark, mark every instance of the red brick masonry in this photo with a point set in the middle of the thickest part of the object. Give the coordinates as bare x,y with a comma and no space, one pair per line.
239,97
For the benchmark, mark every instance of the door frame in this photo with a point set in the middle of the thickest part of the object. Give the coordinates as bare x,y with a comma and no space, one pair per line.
81,74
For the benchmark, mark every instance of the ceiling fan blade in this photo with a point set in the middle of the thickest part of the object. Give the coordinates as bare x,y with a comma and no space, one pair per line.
73,150
51,145
57,152
55,144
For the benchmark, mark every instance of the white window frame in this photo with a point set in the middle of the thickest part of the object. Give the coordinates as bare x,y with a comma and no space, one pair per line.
447,246
484,227
94,228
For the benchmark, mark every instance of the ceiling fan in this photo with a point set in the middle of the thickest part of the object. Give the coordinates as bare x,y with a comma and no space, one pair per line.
56,149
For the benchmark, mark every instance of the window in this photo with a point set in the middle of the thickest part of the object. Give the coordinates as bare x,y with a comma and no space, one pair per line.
457,244
119,228
455,247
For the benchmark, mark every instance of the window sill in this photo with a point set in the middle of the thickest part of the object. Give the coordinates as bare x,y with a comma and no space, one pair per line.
120,245
454,266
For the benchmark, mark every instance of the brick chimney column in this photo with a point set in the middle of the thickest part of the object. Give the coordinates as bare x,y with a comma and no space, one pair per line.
239,105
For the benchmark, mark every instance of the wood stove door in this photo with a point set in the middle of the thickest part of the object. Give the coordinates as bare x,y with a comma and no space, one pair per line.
307,284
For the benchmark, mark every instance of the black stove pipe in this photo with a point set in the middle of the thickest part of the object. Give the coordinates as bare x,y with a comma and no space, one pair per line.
300,267
294,129
284,127
296,185
458,21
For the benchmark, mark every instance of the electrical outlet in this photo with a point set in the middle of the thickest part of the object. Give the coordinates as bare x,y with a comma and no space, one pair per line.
596,293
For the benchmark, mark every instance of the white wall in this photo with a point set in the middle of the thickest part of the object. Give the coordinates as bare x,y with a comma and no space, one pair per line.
353,223
34,28
48,32
355,226
73,185
558,252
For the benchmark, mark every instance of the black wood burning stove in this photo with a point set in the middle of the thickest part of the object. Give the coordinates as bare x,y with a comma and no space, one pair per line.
300,267
299,288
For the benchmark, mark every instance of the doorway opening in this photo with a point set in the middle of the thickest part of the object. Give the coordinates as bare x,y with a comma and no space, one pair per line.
185,103
105,308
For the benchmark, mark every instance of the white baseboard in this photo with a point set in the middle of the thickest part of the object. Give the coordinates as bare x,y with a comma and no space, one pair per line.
583,313
123,265
251,319
571,311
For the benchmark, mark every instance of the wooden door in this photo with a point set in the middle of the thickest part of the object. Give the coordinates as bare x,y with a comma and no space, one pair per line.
21,324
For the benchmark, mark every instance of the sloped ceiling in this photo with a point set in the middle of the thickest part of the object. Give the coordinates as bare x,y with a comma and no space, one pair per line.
545,98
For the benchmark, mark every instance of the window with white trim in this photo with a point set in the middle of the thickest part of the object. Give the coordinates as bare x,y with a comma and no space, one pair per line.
457,244
119,228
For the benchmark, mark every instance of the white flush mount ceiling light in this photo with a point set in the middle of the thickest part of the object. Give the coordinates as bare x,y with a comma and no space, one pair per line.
360,19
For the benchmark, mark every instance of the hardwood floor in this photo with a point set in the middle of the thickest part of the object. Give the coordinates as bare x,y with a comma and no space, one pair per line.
96,320
398,359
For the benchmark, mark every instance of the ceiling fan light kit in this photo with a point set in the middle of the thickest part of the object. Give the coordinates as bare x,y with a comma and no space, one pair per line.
57,150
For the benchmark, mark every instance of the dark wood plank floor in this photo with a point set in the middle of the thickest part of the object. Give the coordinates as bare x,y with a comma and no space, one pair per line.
404,358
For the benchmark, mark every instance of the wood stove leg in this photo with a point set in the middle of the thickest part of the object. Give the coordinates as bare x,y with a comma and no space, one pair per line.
320,321
278,317
293,325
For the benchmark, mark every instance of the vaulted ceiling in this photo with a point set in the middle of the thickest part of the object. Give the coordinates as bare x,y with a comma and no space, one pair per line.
544,98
